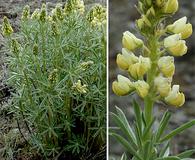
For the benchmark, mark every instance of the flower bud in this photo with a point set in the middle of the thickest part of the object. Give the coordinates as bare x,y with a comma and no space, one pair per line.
59,12
130,42
166,66
181,27
53,76
26,13
138,69
174,97
43,13
15,46
55,29
142,88
163,85
150,12
35,49
143,22
126,59
6,27
171,6
160,3
123,86
175,45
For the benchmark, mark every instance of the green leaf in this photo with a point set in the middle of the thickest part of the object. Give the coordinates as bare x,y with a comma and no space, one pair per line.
186,154
124,157
178,130
168,158
147,149
138,115
163,124
125,129
164,151
126,145
147,129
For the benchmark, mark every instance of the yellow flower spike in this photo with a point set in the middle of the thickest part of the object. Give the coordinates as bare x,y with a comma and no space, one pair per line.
74,6
26,13
142,88
180,26
126,59
123,86
59,12
35,15
166,66
43,13
171,6
7,29
174,97
130,42
140,68
175,45
163,85
53,76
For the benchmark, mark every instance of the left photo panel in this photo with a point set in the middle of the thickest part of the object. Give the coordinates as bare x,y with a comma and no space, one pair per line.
53,80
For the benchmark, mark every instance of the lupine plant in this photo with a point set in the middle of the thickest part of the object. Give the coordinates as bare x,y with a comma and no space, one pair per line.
150,76
57,70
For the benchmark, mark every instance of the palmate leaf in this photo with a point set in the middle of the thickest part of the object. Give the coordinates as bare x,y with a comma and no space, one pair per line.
178,130
126,145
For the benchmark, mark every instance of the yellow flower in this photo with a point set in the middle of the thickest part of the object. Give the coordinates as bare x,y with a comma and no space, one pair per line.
123,86
175,45
142,88
174,97
35,14
130,42
6,27
26,13
171,6
138,69
166,66
163,85
180,26
79,87
126,59
43,13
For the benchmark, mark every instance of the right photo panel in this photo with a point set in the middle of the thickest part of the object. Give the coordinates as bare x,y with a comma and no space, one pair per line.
151,80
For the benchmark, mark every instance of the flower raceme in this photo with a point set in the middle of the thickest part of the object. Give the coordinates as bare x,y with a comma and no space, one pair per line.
181,27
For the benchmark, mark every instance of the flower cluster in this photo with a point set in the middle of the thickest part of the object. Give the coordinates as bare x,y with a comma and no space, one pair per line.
79,87
97,15
6,27
151,73
76,6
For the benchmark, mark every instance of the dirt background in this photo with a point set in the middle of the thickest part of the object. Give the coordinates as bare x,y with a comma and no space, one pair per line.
122,15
